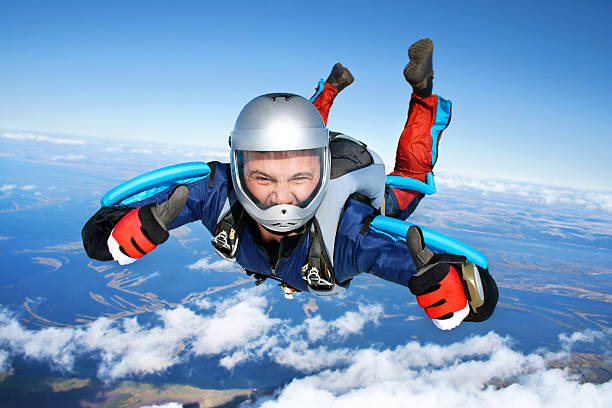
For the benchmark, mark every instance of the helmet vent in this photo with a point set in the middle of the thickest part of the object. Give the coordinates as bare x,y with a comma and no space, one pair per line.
285,224
274,96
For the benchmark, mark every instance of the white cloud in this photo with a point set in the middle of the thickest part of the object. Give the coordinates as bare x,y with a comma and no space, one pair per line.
220,265
28,187
353,322
257,348
5,364
126,347
587,336
291,345
478,371
53,345
203,303
180,232
590,199
231,328
316,328
459,375
68,157
42,138
603,200
208,155
301,356
7,187
142,151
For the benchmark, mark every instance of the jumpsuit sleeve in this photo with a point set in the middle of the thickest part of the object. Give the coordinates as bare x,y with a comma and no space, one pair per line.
205,202
359,249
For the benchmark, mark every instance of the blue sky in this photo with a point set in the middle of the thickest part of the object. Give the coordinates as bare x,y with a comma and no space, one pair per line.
529,82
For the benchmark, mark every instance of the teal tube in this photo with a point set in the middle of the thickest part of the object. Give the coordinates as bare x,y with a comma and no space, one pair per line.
407,183
319,91
149,184
436,241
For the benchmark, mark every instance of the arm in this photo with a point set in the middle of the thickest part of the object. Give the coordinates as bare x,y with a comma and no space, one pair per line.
204,202
361,250
435,279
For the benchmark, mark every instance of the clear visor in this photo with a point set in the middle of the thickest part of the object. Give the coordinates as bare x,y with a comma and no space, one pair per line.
291,177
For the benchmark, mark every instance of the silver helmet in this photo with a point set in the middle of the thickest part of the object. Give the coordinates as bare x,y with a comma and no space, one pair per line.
280,160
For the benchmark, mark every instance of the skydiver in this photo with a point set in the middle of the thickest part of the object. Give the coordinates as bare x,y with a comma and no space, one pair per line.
295,201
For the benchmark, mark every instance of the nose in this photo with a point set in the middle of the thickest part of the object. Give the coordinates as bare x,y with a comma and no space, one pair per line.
284,195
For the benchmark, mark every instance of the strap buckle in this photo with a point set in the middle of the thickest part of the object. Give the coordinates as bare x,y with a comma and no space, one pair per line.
313,277
224,245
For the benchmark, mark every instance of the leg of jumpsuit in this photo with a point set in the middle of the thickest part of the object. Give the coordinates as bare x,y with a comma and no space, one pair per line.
416,151
323,99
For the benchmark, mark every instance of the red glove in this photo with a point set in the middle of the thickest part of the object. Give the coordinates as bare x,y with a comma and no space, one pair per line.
440,292
140,231
437,285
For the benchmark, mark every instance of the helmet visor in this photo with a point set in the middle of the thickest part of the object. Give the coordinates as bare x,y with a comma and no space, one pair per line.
291,177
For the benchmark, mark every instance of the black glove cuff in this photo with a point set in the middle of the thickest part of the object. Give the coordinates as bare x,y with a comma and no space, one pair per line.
422,284
151,228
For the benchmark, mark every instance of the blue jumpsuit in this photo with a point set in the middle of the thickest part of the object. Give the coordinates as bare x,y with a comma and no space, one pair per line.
356,250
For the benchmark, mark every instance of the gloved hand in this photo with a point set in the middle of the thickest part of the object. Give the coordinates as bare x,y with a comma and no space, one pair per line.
140,231
437,283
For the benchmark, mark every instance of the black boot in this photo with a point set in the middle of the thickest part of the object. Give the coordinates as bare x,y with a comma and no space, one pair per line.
419,71
340,77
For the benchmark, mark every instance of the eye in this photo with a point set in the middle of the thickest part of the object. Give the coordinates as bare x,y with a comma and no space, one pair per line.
261,179
299,180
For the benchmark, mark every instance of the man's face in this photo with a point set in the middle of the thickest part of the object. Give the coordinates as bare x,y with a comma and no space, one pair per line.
275,178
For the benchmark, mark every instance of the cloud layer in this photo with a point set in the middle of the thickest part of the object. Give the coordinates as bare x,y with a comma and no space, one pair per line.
41,138
219,265
126,347
538,194
477,371
482,371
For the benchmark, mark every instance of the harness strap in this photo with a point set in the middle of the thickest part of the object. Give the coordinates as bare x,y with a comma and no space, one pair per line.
226,238
318,271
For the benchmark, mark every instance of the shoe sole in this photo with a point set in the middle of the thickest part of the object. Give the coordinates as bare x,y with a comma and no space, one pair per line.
419,53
